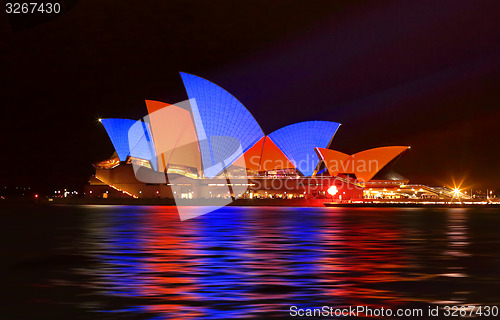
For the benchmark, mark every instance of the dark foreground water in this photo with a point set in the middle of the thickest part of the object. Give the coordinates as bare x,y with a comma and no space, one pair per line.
127,262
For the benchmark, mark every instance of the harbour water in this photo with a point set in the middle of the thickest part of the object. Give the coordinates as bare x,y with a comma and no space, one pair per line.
141,262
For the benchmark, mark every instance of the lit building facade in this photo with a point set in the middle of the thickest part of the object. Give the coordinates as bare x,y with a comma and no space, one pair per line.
210,146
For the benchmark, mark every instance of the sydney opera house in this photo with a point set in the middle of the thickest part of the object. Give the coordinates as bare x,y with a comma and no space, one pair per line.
210,146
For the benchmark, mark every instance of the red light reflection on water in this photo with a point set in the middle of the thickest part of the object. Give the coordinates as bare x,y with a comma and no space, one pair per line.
362,251
249,262
169,264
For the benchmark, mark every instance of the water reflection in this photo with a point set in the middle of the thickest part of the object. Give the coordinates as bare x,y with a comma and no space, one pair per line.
257,262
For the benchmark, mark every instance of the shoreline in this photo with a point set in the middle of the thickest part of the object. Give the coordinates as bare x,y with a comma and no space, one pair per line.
257,203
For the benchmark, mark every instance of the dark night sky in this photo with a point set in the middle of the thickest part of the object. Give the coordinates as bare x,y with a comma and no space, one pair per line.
420,73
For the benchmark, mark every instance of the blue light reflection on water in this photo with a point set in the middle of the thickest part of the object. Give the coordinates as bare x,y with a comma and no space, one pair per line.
230,259
251,262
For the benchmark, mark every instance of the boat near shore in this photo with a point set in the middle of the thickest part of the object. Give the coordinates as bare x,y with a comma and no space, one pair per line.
411,204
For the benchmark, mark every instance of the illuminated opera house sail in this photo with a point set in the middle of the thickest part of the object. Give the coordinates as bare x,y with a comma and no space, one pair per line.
210,146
